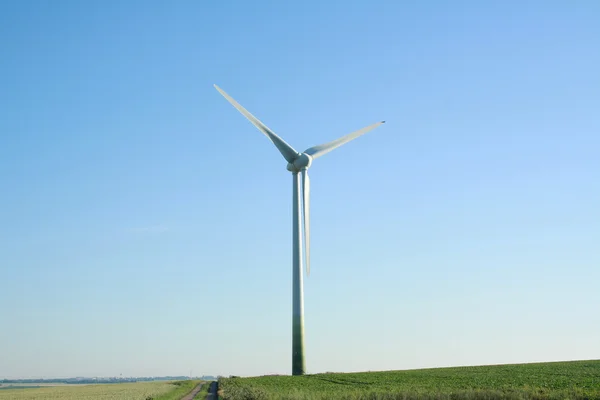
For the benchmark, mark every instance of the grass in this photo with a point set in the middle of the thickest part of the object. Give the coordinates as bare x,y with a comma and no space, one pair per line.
202,394
162,390
576,380
183,388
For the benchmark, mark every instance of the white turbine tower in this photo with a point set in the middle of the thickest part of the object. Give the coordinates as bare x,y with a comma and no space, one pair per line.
298,163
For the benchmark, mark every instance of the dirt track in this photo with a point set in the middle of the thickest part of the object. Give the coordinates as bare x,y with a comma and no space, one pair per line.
193,393
212,392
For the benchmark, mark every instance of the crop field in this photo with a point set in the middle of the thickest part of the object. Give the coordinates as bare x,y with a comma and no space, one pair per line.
558,380
162,390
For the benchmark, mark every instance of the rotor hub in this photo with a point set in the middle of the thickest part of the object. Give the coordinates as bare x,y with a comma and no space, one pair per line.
301,162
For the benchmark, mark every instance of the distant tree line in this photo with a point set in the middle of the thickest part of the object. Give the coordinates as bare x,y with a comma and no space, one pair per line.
103,380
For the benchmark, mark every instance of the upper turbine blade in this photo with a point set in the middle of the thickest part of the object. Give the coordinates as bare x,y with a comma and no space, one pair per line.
306,208
285,149
318,151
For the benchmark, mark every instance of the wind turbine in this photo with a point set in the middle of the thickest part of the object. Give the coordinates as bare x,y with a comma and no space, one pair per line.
298,163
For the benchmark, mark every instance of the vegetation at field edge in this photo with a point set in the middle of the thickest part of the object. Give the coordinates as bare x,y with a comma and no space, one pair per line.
576,380
204,392
183,388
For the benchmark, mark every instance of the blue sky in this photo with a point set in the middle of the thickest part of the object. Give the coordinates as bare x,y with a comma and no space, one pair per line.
145,225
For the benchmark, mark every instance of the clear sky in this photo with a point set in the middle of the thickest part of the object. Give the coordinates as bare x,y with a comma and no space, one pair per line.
145,225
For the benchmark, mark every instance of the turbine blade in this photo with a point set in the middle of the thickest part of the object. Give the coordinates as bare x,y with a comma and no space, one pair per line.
322,149
306,208
285,149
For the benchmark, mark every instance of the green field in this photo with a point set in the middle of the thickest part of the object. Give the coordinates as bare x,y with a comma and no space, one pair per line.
161,390
558,380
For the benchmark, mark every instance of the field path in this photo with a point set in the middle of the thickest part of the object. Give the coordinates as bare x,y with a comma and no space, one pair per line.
191,395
